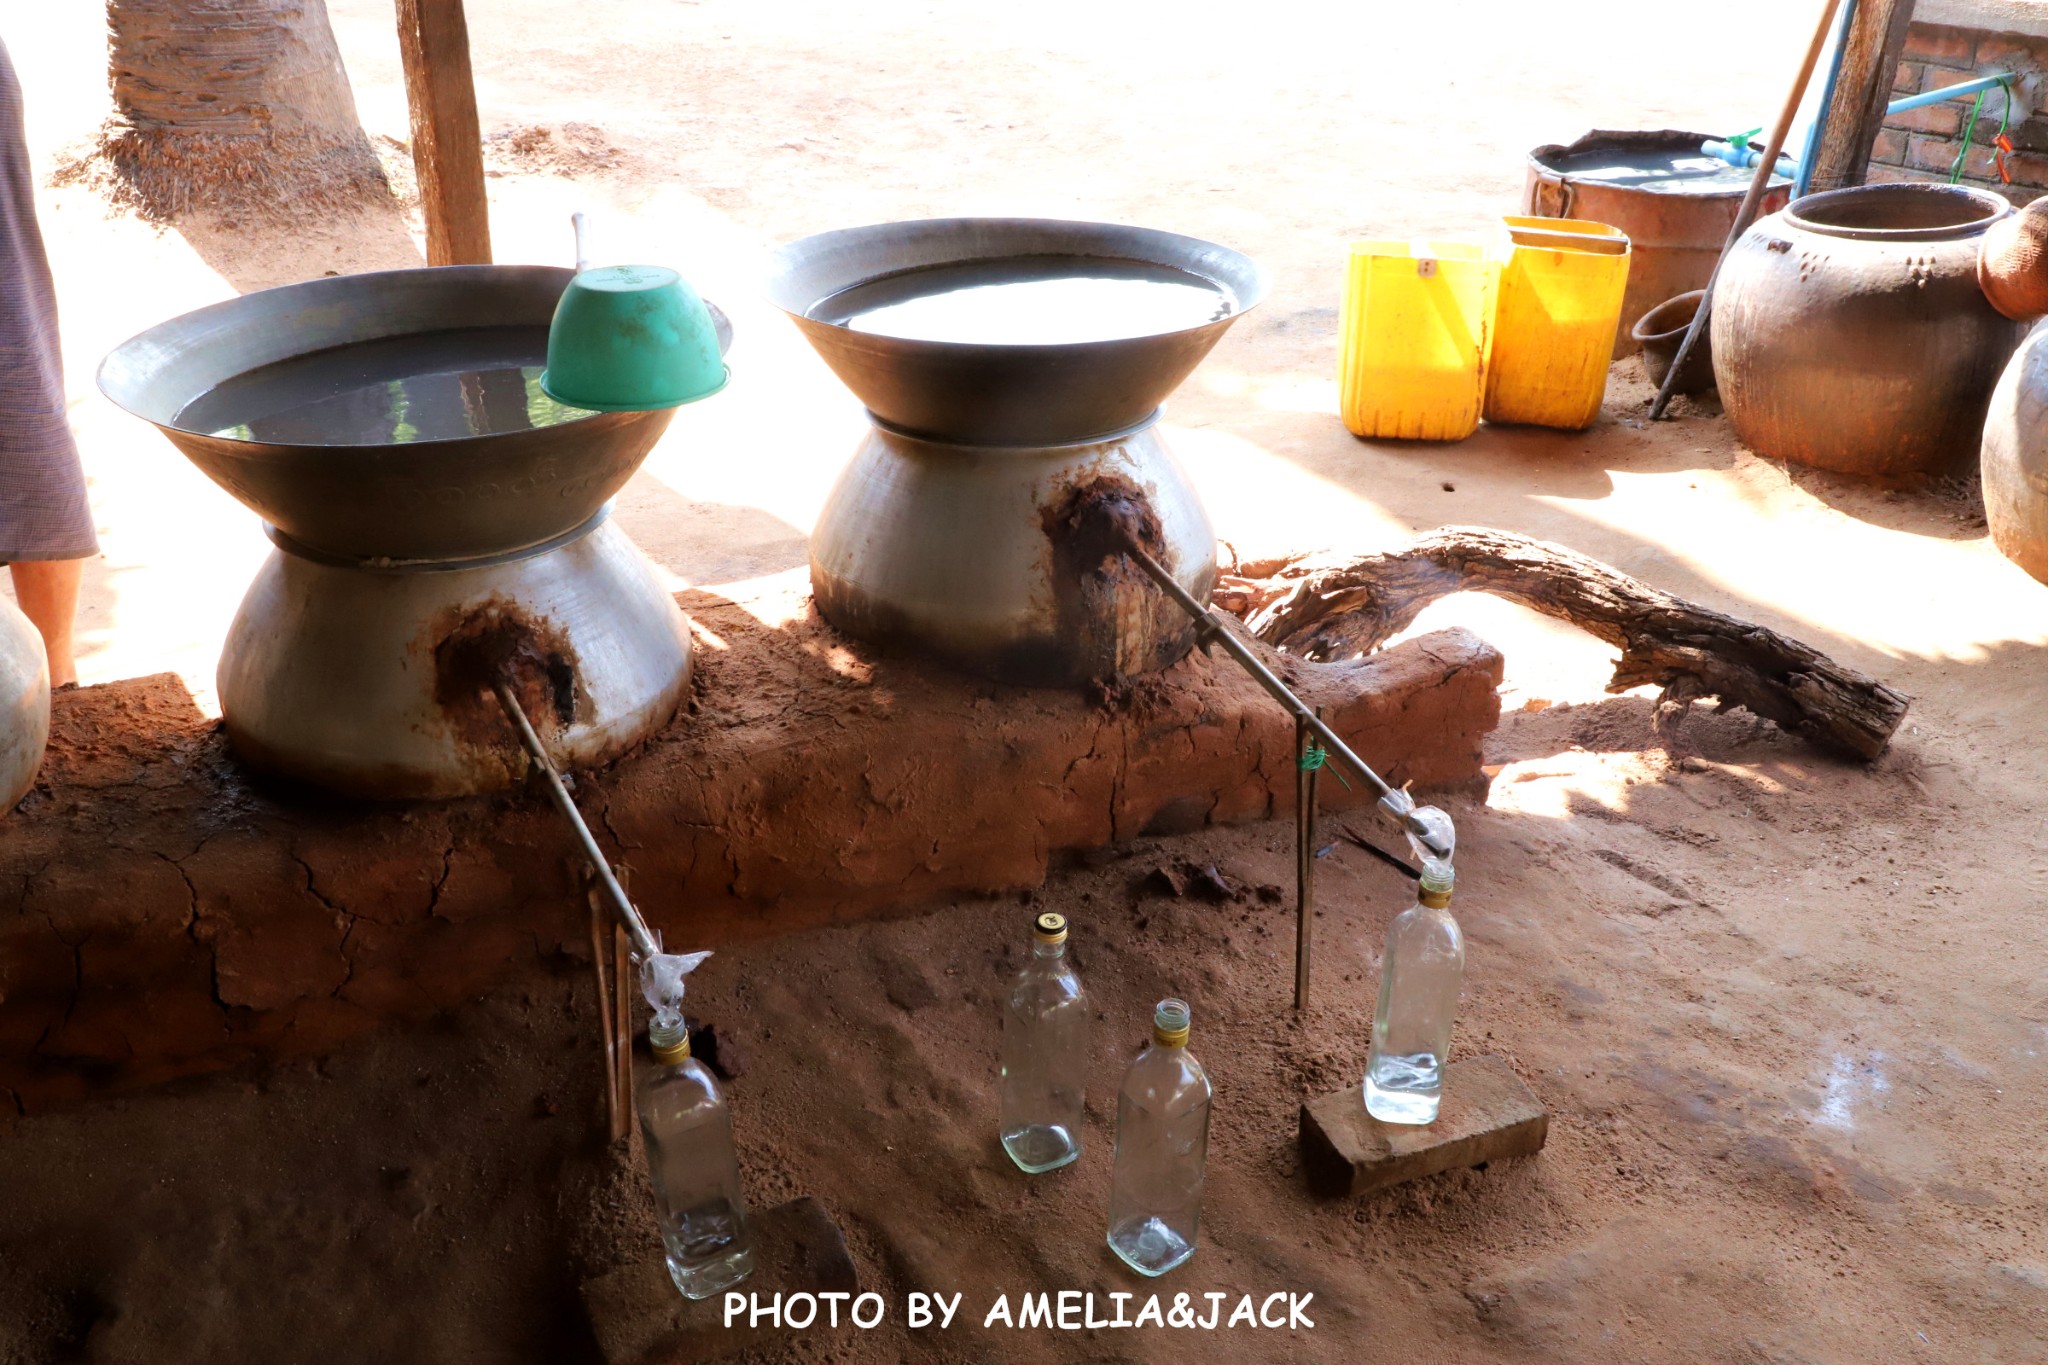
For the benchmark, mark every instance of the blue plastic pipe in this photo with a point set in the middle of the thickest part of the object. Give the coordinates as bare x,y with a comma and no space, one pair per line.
1949,92
1803,175
1748,155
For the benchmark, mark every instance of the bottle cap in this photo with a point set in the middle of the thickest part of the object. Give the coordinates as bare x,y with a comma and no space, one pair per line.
1170,1019
1050,927
669,1045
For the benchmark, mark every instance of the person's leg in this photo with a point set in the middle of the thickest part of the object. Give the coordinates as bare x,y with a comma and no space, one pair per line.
47,590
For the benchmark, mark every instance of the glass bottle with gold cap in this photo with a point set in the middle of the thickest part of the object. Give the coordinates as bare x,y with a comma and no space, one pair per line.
1420,975
696,1174
1162,1149
1045,1054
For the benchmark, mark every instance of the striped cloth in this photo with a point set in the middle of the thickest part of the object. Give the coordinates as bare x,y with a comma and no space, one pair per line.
43,511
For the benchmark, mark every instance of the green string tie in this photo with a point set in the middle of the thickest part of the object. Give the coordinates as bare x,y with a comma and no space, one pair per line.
1316,756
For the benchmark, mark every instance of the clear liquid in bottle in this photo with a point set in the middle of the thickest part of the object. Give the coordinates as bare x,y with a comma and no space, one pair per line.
1045,1054
695,1170
1162,1149
1420,976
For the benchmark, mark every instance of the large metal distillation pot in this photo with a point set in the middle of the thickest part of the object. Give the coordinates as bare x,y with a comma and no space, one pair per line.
417,564
950,528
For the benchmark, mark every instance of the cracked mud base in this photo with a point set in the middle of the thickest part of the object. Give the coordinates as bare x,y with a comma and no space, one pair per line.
177,913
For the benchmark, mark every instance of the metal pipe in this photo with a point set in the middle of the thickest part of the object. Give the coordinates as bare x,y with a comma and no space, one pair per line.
1949,92
1212,627
1746,156
1746,215
644,942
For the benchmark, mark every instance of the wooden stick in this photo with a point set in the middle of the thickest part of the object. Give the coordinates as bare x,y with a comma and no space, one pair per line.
1327,608
607,1013
622,1019
1304,856
1746,215
447,145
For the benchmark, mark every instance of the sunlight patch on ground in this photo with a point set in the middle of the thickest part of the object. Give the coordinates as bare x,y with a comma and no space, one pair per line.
1895,591
1553,787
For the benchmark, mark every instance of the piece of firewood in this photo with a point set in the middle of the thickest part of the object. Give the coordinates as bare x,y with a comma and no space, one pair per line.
1329,607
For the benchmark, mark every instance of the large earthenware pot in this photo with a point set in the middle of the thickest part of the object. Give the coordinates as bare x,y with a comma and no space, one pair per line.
1850,334
2016,457
24,704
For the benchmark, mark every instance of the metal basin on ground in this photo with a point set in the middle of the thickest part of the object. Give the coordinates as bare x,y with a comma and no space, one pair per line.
1673,201
397,498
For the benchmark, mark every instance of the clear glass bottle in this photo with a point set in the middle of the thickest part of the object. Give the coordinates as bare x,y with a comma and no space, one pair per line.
696,1174
1419,979
1045,1054
1162,1149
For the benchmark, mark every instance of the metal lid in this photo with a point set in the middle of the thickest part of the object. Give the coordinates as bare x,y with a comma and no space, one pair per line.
1050,927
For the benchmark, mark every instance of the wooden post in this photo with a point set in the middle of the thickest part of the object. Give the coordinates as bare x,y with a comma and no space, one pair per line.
447,146
1863,87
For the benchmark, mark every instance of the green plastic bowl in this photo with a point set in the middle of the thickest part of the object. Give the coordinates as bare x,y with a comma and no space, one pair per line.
632,338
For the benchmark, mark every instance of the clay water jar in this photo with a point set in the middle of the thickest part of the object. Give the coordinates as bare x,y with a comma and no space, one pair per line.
2016,457
24,704
1850,333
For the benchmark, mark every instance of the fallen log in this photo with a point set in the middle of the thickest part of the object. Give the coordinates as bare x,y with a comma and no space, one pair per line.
1324,607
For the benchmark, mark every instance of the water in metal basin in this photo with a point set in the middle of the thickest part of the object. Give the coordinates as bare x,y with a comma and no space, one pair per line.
425,386
1658,171
1030,301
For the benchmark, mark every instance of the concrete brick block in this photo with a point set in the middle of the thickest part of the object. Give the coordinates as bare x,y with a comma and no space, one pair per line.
1890,147
2004,51
1488,1114
1940,120
1939,43
2029,170
2030,136
639,1318
1906,80
1934,155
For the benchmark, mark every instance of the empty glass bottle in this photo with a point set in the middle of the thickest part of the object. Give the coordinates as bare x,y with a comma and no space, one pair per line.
1419,980
1045,1054
1162,1148
697,1199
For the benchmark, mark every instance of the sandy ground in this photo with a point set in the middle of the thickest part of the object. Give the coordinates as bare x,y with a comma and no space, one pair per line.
1788,1015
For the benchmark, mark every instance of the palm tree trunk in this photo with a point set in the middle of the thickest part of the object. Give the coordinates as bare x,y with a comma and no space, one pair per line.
235,106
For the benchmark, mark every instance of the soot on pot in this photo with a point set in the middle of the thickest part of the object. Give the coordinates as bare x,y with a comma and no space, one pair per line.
501,639
1109,612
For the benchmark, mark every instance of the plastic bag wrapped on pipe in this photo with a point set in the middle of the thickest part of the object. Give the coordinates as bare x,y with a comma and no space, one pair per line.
1402,807
661,981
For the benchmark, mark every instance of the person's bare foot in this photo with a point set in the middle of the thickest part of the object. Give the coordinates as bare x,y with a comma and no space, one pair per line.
47,592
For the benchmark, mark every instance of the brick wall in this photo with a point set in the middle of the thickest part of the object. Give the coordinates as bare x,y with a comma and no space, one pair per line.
1921,144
